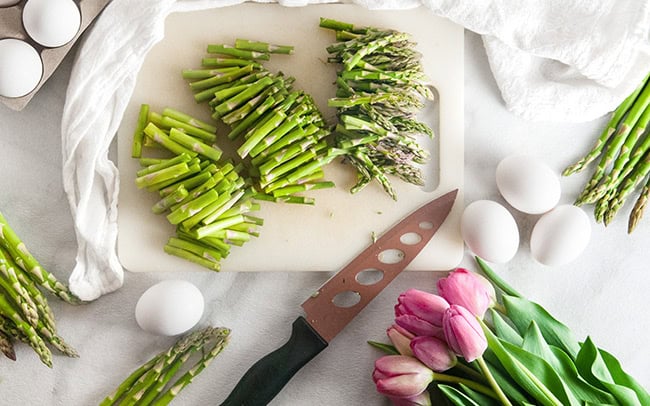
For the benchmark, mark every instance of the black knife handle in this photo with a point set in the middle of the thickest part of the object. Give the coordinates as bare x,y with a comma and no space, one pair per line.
267,377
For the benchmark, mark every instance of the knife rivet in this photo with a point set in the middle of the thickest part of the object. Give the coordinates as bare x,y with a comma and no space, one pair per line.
315,294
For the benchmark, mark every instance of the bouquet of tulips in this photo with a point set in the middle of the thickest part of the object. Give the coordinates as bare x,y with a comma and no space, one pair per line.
467,347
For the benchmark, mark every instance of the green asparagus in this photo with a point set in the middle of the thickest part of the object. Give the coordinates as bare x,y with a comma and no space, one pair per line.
156,381
379,91
196,187
7,346
24,311
623,150
280,126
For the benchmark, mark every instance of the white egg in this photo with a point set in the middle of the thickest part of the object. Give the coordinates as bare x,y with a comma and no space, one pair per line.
560,235
21,68
51,23
490,231
528,184
169,307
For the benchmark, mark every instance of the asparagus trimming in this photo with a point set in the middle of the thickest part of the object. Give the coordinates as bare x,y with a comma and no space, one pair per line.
380,85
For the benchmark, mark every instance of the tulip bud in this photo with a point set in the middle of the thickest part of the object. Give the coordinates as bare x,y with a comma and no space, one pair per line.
420,312
401,376
401,339
463,333
468,289
423,399
433,353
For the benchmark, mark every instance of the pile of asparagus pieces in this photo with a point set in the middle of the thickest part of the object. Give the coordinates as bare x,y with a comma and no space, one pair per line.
146,384
25,314
205,197
624,165
284,134
380,89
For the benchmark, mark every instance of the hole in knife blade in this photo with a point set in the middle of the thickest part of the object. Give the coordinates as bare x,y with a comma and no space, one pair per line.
426,225
410,238
370,276
346,298
390,256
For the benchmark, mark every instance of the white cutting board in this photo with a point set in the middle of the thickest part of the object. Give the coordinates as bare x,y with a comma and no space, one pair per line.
328,235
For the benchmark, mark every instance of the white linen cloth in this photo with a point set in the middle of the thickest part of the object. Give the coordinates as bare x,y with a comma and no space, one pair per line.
571,60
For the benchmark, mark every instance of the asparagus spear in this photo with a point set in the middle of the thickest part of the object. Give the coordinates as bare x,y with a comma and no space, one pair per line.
17,249
613,179
639,207
193,188
220,337
378,95
623,147
35,341
623,132
138,137
636,177
271,116
26,307
10,283
145,385
238,53
264,47
45,313
610,129
191,130
221,62
6,346
186,118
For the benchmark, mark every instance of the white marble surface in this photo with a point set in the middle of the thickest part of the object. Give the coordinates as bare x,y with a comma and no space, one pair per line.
603,293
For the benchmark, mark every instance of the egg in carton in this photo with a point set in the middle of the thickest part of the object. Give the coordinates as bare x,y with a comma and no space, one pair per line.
35,36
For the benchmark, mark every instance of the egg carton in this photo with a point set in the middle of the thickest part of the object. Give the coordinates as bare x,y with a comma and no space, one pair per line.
11,26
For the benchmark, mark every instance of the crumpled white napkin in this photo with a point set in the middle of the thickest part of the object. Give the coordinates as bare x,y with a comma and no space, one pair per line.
560,60
553,60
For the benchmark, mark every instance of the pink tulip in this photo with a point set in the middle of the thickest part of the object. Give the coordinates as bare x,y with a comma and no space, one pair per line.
420,312
423,399
401,376
468,289
401,339
434,353
463,333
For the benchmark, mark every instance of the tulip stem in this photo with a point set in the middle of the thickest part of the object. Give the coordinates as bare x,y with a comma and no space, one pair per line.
467,382
493,383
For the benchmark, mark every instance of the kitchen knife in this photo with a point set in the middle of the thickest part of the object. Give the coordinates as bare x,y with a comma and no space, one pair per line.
330,308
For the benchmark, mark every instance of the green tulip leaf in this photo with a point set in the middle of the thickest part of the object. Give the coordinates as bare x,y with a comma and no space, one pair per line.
505,382
387,348
622,378
478,397
582,389
503,330
564,367
522,311
594,370
532,373
496,279
457,397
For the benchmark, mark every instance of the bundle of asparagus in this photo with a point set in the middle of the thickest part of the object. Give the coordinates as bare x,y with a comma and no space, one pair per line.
624,165
205,197
283,130
380,89
146,384
25,314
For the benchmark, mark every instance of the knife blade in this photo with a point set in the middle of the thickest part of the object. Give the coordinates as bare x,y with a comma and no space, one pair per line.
325,316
